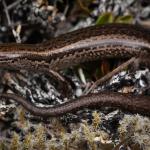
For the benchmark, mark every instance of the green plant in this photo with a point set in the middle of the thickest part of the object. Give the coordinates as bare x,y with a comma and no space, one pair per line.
110,18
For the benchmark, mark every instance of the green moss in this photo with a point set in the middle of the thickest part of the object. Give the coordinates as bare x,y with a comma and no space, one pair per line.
27,142
108,17
137,129
3,145
15,143
40,138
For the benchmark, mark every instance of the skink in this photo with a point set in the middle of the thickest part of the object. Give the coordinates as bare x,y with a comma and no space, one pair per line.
106,41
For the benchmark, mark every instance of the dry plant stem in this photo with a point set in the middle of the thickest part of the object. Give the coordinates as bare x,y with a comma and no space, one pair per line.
110,74
6,12
63,83
84,8
13,4
17,38
127,102
57,75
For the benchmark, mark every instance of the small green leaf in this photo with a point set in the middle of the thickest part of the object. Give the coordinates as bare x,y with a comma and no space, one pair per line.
124,19
105,18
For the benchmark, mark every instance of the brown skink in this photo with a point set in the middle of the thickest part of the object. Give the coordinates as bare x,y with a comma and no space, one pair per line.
127,102
106,41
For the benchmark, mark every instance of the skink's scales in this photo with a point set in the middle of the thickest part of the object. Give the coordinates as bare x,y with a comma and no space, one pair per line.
113,40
